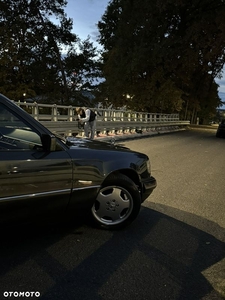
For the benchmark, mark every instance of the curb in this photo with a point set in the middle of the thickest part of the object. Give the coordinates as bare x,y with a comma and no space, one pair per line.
113,138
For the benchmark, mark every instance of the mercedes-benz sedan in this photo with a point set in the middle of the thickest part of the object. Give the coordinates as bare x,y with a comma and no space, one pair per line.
42,174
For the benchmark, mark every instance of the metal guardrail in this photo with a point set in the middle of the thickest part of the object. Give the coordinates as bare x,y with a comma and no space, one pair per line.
71,128
62,119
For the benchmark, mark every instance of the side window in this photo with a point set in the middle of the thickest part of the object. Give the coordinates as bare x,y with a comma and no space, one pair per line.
14,133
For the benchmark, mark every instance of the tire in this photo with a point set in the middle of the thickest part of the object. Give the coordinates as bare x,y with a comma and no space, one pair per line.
117,204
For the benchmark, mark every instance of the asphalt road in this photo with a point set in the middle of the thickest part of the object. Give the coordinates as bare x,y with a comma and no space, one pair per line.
174,250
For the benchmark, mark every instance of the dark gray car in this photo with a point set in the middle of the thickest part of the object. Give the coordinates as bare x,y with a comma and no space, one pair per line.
221,129
42,174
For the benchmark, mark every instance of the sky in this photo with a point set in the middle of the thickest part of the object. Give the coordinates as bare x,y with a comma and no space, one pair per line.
221,88
87,13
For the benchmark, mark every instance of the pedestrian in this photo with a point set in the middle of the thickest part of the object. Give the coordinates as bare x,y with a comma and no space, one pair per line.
88,118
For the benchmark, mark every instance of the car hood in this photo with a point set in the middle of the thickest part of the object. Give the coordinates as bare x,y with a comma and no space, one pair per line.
93,144
114,156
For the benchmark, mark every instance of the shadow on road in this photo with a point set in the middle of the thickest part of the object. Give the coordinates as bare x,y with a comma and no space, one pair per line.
157,257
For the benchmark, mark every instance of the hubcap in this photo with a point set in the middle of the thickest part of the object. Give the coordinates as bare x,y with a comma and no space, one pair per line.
113,205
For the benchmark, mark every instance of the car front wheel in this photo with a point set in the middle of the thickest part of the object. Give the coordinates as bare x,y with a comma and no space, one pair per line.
117,204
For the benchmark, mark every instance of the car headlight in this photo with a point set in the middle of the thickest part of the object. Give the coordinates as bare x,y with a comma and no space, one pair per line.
149,166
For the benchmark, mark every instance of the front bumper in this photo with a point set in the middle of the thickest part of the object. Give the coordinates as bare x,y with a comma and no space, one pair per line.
148,185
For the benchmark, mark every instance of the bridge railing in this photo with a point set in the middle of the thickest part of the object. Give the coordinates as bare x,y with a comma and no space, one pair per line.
63,119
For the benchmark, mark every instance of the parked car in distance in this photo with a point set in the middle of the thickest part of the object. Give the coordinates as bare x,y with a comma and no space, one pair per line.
213,123
221,129
42,174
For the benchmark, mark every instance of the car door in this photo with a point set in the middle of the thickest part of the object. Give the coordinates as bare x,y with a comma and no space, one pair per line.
33,182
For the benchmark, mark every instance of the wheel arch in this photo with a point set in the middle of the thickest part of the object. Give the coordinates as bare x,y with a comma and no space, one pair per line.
130,174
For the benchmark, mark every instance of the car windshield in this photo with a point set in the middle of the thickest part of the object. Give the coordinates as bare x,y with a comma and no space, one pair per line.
14,133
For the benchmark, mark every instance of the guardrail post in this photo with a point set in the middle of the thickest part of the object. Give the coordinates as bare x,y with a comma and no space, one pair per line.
159,117
54,113
122,116
35,111
114,116
105,115
70,113
146,118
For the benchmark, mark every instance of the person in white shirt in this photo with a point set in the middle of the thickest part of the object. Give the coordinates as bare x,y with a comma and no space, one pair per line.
88,118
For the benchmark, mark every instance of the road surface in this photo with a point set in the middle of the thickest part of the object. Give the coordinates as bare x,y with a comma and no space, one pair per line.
174,250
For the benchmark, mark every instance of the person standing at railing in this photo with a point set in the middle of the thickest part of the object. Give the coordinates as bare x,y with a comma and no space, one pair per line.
88,118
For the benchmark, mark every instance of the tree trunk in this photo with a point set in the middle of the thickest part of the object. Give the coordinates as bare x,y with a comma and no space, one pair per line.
56,48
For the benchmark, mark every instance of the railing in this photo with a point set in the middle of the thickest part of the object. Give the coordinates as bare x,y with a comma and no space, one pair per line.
63,119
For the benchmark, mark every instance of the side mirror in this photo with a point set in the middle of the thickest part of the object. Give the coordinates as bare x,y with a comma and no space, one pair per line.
48,142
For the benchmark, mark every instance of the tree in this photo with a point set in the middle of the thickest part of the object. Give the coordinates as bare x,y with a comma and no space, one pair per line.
82,68
165,53
31,47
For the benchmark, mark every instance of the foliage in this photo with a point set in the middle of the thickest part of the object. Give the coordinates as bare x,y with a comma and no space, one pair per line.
82,67
165,54
158,56
33,51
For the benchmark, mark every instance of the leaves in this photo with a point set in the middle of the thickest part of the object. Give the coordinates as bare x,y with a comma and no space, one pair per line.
34,49
163,52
